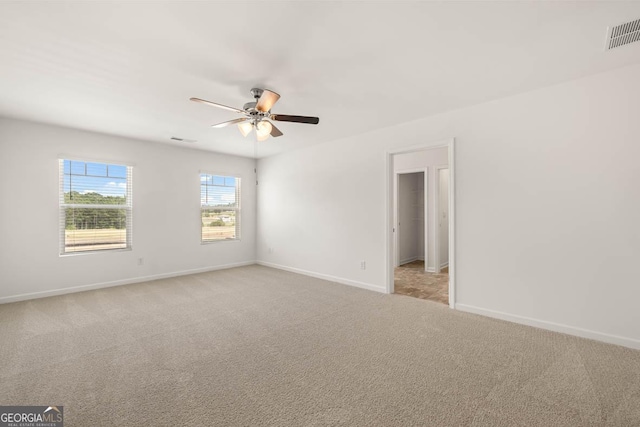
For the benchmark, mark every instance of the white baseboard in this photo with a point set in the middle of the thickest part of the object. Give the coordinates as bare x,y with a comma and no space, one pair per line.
54,292
551,326
431,270
327,277
444,265
411,259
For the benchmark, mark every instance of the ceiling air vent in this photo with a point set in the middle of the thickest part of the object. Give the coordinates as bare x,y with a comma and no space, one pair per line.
175,138
623,34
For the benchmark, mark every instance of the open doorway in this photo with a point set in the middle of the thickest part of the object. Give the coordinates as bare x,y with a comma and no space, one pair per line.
421,247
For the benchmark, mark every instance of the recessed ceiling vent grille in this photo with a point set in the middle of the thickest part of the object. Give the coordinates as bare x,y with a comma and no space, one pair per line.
623,34
175,138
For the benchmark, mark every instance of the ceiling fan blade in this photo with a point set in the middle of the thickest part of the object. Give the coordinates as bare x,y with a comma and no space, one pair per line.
275,132
296,119
213,104
267,100
230,122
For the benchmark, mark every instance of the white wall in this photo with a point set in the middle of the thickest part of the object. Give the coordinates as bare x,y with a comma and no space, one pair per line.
430,159
166,202
547,205
411,217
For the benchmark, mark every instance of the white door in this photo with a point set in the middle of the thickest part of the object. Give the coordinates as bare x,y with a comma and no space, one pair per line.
443,217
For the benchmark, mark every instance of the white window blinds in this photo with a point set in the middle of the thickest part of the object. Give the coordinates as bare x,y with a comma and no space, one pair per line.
95,206
219,207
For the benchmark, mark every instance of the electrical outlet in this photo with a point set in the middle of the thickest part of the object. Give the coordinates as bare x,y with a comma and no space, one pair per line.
363,265
270,250
140,261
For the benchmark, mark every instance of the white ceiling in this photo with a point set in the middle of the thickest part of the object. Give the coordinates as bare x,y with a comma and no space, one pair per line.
129,68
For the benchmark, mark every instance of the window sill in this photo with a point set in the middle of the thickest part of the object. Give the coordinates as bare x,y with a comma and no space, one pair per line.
218,241
98,251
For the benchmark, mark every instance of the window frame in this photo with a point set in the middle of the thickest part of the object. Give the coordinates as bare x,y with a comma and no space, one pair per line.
62,206
237,208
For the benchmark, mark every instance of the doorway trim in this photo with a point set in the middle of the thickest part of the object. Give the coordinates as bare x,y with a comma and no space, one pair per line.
390,192
396,212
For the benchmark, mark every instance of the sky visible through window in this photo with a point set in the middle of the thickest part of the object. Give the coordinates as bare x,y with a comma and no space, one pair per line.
216,190
111,181
84,177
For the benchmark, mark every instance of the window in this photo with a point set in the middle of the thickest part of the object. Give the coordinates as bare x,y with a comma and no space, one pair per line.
219,207
95,206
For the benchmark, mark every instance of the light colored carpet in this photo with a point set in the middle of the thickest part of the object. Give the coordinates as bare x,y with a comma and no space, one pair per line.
256,346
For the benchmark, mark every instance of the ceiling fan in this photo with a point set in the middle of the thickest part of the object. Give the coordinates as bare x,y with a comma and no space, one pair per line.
257,115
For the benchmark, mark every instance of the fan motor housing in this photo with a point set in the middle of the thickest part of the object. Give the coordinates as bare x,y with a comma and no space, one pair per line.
250,106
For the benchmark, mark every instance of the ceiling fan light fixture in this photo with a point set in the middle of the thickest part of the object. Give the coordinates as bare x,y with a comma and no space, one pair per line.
245,128
263,130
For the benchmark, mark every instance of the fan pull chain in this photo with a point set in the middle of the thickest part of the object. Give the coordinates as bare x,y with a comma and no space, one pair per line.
255,157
